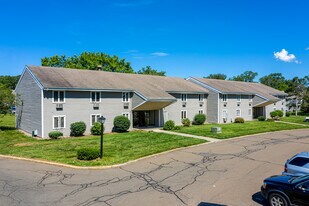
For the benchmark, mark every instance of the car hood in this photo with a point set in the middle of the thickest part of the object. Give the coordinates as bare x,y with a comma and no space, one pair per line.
279,179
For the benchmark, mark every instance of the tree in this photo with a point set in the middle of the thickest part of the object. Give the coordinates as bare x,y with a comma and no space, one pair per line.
275,80
247,76
6,99
148,70
89,61
9,81
216,76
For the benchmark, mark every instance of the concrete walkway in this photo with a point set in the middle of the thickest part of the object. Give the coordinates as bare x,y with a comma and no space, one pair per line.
293,123
187,135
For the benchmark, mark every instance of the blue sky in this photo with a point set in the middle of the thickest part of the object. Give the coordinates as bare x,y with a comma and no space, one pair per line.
184,38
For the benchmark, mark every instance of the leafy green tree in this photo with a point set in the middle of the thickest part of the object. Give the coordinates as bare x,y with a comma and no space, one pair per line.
150,71
275,80
216,76
247,76
6,99
89,61
9,81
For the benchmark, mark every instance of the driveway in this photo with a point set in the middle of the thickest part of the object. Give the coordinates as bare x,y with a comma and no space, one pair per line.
223,173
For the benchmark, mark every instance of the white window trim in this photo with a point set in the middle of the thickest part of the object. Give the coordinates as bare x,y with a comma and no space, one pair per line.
250,98
185,98
126,113
226,97
201,110
64,97
239,113
128,96
95,98
227,114
202,98
63,122
238,100
91,118
181,114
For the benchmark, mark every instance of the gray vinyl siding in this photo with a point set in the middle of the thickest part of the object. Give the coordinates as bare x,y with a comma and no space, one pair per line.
279,105
212,107
257,100
173,111
28,110
136,100
78,107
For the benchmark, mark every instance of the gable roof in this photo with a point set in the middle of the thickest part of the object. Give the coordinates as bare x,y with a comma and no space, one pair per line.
148,86
237,87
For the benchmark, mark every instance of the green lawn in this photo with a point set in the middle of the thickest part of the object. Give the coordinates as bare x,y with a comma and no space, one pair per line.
234,130
295,119
118,147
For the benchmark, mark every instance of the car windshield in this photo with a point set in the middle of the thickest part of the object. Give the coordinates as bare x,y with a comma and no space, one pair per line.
298,179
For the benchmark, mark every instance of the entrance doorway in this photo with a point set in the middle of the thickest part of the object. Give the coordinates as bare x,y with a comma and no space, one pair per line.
144,118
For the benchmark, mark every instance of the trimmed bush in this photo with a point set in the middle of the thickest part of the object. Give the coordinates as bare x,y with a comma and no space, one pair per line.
121,123
77,129
199,119
287,114
239,120
177,128
55,134
169,125
96,129
276,113
270,120
261,118
186,122
88,154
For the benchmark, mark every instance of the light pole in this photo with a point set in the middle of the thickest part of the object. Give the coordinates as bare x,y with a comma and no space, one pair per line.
102,121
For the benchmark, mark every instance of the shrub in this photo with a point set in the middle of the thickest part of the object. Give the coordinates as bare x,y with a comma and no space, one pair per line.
270,120
78,129
287,114
121,123
186,122
96,129
261,118
177,128
276,113
239,120
55,134
199,119
88,154
169,125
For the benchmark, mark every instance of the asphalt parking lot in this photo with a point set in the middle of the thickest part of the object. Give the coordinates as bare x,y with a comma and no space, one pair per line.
223,173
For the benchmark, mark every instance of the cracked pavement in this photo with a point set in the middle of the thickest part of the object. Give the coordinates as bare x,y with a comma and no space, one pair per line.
223,173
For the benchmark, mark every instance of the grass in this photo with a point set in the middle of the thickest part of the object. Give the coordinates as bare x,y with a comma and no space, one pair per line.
295,119
118,147
234,130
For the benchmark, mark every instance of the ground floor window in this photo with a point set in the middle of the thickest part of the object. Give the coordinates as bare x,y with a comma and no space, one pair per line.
201,111
183,114
58,122
126,114
238,113
249,112
94,118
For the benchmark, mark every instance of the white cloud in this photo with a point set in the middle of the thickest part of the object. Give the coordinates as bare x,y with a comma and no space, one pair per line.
132,51
307,49
284,55
160,54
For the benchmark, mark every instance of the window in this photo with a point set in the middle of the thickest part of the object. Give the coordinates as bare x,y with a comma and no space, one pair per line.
238,113
94,118
224,98
201,97
58,96
125,96
238,98
250,112
183,97
224,114
58,122
183,114
275,108
250,98
95,96
126,114
299,161
201,111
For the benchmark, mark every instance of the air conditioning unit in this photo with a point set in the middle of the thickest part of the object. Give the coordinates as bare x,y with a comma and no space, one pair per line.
250,104
238,104
184,104
59,106
126,105
224,104
96,105
201,104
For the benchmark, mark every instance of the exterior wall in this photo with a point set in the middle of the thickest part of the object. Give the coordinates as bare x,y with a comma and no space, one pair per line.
136,100
28,110
232,106
173,111
77,107
257,100
212,107
280,105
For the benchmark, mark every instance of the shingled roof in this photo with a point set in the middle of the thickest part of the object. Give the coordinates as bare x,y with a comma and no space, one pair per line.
150,87
237,87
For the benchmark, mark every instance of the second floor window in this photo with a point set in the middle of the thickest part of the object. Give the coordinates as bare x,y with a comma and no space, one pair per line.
250,98
200,97
58,96
95,96
224,97
183,97
238,98
125,96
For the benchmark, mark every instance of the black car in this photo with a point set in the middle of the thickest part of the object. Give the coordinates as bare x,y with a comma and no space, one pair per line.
286,190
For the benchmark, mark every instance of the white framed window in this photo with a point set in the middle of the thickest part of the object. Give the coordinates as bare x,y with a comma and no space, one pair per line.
238,112
94,118
238,98
224,97
126,114
125,96
224,113
95,96
249,112
183,114
59,122
250,98
200,97
201,111
58,96
183,97
275,108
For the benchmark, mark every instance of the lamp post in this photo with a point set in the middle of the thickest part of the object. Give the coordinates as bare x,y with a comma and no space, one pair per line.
102,121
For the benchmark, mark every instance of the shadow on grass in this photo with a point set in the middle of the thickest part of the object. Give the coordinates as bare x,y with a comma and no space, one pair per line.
258,198
4,128
209,204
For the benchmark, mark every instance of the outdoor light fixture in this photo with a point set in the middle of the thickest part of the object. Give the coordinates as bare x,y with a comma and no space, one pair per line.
102,121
